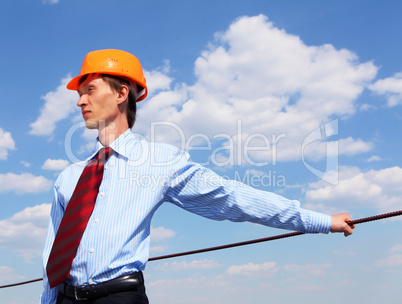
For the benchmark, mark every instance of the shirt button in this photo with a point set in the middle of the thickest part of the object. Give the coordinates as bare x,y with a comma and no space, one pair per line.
91,250
102,194
106,167
90,281
96,220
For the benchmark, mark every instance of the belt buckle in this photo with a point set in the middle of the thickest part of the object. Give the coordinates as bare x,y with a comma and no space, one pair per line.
77,297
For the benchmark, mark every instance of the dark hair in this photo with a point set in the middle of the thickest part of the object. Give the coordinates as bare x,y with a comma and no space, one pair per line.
115,84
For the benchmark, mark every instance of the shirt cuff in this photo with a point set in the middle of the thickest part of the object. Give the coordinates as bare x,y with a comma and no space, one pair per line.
319,223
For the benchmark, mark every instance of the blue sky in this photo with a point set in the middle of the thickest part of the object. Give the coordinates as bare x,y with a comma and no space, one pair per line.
248,88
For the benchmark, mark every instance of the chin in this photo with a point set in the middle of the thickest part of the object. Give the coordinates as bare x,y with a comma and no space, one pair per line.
91,124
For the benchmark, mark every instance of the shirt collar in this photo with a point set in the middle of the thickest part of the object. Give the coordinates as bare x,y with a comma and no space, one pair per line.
119,145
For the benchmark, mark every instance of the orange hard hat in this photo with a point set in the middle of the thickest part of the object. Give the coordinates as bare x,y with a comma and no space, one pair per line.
113,62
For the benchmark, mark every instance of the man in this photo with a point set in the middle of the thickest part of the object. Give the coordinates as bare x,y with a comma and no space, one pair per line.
99,231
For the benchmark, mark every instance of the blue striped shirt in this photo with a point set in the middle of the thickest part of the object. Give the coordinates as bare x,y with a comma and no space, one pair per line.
138,178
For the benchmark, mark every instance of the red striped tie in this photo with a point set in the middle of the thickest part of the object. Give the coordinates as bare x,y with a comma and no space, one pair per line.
75,219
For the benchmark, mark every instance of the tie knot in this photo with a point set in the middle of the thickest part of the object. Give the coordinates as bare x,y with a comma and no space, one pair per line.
104,154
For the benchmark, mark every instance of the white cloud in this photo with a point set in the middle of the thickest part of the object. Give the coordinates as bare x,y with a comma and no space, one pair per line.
366,107
396,249
25,232
318,150
89,136
251,269
55,164
374,158
158,235
391,88
25,164
6,143
257,172
271,81
310,269
184,265
157,80
349,146
161,233
59,104
308,288
50,2
193,282
24,183
394,259
391,261
157,249
8,274
374,189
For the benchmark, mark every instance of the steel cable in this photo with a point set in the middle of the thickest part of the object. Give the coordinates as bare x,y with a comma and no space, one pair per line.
267,239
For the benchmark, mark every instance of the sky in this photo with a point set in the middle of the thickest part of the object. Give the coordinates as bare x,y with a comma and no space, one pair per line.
301,98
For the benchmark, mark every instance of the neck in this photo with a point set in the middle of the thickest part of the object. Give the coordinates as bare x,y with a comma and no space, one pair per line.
111,132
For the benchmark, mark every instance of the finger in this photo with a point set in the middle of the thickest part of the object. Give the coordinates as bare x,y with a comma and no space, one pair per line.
349,221
348,230
350,224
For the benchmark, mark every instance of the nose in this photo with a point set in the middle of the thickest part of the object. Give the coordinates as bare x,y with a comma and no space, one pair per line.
82,101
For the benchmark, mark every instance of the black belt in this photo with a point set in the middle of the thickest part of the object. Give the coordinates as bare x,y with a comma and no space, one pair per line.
84,292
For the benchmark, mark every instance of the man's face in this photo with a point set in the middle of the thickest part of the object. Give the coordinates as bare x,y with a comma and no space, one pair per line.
98,102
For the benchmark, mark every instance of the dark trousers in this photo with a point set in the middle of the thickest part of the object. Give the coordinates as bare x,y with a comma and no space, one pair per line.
134,296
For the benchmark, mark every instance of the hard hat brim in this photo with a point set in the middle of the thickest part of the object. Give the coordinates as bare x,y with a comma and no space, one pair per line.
75,83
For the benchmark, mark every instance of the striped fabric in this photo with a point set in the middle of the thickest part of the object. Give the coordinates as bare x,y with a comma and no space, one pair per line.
138,178
75,219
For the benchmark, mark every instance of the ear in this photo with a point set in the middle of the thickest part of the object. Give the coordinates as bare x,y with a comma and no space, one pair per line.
122,95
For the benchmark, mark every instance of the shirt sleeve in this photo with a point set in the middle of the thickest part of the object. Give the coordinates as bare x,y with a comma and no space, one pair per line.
203,192
49,296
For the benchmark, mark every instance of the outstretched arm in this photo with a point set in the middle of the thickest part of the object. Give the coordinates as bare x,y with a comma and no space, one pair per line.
340,223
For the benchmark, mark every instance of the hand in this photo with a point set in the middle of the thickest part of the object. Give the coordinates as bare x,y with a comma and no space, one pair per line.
340,223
